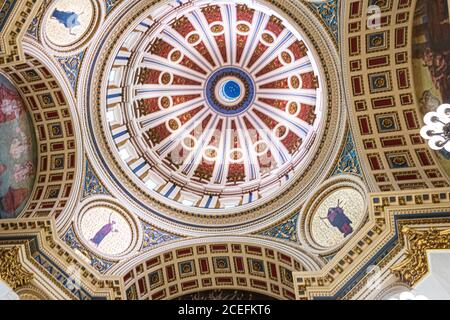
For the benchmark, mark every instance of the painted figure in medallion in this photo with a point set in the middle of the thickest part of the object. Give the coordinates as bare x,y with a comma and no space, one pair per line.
67,18
104,231
337,218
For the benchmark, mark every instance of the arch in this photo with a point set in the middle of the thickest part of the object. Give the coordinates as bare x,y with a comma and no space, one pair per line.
383,108
31,292
239,263
52,108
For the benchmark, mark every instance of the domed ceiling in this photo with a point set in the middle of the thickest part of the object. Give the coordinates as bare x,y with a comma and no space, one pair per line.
181,146
222,109
216,109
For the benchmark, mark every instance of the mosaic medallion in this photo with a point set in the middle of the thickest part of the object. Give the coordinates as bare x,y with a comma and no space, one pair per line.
334,214
337,216
106,229
67,23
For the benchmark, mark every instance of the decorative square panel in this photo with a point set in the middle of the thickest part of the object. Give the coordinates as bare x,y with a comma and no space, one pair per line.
369,144
404,4
355,65
256,267
398,160
354,26
401,57
46,100
31,75
380,82
221,264
286,277
55,131
384,5
360,105
406,99
387,122
52,192
186,268
131,293
381,177
242,281
207,282
57,162
156,279
377,41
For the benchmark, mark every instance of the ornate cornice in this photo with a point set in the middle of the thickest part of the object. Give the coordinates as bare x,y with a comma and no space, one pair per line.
11,269
416,266
15,17
66,274
377,243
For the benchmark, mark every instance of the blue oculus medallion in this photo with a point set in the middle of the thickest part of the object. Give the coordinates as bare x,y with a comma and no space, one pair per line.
230,91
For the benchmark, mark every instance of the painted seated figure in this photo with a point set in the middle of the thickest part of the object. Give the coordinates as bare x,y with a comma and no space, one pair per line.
338,218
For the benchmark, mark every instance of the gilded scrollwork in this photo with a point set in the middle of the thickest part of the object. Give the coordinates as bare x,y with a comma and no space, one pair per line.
415,266
11,270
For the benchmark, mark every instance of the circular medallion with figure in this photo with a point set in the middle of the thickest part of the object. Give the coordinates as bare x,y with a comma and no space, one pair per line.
334,213
107,229
67,24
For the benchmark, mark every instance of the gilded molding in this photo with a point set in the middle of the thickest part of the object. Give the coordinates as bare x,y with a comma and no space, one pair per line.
388,212
11,269
416,266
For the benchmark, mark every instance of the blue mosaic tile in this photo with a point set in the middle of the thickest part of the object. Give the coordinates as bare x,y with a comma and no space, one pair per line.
110,4
153,237
32,30
284,231
348,161
71,66
71,240
328,10
92,185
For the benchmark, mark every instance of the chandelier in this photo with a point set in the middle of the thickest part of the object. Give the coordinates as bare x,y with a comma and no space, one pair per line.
437,128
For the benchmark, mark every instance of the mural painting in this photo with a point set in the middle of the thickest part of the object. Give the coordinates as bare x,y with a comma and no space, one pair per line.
18,155
104,231
431,59
68,19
